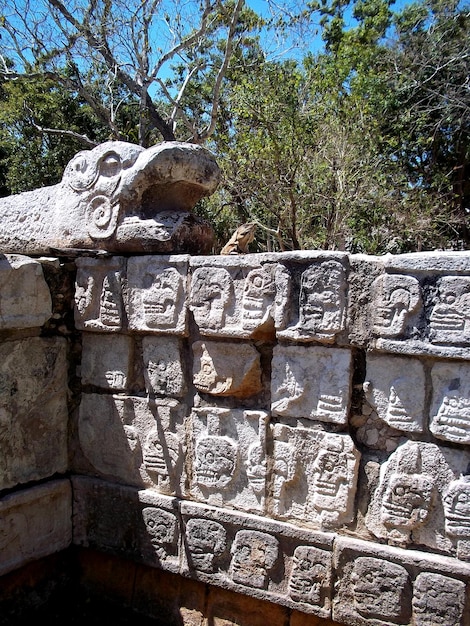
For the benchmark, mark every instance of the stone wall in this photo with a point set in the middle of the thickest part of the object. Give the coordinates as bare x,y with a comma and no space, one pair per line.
293,427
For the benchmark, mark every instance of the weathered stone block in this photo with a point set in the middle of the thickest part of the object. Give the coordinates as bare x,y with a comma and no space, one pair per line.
99,294
33,410
144,440
408,504
395,388
34,523
379,585
164,368
157,294
314,476
450,409
234,296
311,296
312,382
25,299
259,557
228,457
140,525
107,361
226,369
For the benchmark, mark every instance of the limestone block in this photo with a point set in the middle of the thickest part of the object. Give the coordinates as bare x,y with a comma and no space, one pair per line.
137,524
312,296
34,523
25,299
157,294
164,370
144,440
420,305
408,504
226,369
117,197
259,557
380,585
395,388
233,296
228,457
312,382
33,410
438,600
450,408
107,361
98,294
314,476
457,514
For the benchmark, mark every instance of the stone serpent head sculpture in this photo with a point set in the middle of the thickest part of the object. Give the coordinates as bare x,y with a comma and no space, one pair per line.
117,197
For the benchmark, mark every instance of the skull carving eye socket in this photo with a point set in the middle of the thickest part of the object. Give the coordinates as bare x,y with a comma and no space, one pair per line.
110,165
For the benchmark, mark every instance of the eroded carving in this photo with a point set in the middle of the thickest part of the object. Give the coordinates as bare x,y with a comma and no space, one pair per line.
226,369
258,297
216,461
157,298
411,484
163,369
98,294
161,454
438,600
311,382
321,304
395,298
229,457
162,529
211,290
206,541
457,508
310,578
314,476
450,411
381,589
409,492
449,322
254,554
397,398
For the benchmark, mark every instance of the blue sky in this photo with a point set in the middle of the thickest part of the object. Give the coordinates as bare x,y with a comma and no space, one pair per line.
314,41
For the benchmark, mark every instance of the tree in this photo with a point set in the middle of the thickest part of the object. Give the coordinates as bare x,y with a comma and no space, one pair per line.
135,47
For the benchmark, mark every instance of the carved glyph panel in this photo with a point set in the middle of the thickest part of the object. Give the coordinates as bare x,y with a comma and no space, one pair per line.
226,369
310,577
232,296
163,366
314,476
259,557
373,591
395,388
163,534
157,294
312,382
407,505
312,299
450,410
438,600
395,300
107,361
144,440
98,294
449,321
229,457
